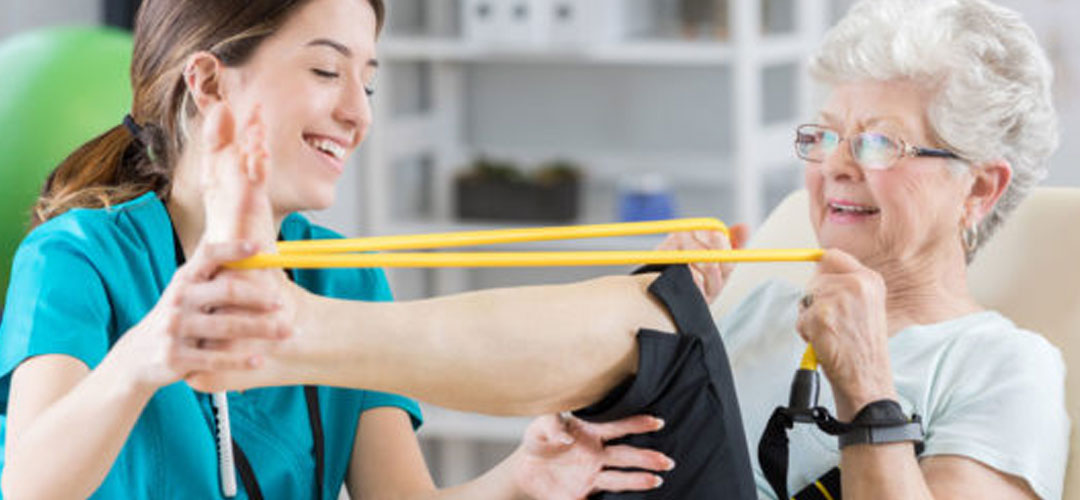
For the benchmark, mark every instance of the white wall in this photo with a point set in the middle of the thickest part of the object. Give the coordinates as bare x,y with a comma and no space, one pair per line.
20,15
1055,23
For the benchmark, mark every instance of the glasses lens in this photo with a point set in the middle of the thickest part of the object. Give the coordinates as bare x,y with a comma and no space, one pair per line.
815,143
875,151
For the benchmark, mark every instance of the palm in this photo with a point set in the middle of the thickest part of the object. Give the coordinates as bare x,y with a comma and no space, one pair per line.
552,468
560,471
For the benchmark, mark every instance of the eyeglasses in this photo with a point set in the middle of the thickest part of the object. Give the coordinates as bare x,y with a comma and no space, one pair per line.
871,150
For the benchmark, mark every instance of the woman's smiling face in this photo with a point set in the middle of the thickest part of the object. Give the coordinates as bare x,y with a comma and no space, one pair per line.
312,80
911,210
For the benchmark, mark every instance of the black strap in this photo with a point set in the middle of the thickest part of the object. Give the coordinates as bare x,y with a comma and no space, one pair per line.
247,474
773,451
827,487
311,397
773,446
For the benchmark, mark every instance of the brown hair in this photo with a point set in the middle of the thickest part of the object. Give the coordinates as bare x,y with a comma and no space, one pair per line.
118,166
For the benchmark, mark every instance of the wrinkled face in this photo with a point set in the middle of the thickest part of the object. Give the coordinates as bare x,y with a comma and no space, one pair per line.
312,80
909,211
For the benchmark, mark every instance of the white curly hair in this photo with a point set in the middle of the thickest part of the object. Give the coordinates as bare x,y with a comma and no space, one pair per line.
991,80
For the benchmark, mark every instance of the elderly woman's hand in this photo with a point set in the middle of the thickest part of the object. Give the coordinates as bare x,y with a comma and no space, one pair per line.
709,276
843,316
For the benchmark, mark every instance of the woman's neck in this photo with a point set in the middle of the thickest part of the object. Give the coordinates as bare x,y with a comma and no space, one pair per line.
926,290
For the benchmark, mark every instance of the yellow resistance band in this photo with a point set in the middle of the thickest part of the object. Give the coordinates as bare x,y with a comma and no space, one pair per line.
337,253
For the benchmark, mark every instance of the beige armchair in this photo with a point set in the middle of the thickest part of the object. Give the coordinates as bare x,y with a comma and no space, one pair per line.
1029,271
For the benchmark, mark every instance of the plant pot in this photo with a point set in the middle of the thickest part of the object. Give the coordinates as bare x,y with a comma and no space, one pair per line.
487,199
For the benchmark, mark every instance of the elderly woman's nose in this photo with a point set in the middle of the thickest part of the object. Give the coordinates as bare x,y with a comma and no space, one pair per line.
841,164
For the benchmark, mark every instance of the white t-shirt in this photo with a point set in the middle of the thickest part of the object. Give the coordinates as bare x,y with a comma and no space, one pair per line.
985,389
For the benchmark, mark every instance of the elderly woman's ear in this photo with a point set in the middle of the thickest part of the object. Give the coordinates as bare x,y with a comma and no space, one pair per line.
989,182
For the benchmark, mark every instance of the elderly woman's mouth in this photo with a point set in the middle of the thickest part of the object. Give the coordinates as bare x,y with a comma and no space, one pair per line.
844,211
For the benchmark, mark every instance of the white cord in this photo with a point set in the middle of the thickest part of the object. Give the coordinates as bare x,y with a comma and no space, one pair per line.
226,463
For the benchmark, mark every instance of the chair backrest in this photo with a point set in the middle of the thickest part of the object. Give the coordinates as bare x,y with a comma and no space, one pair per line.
1029,271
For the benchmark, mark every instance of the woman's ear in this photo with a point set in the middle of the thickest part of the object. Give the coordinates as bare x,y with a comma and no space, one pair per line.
205,79
989,183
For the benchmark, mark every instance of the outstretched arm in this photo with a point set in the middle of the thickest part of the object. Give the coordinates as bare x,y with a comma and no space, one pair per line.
527,350
524,351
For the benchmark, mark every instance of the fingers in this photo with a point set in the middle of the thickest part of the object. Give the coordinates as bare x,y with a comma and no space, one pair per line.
255,151
233,326
210,257
616,481
838,261
232,294
637,458
638,424
203,360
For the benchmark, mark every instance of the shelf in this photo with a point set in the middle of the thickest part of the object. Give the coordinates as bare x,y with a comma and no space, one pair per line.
678,169
634,52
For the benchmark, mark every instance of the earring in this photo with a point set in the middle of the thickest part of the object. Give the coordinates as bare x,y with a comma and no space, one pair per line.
969,236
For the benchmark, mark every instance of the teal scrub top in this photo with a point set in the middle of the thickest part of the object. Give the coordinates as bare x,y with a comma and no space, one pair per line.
81,280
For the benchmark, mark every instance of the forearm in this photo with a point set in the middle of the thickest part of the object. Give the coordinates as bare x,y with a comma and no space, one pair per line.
80,434
526,350
496,484
882,472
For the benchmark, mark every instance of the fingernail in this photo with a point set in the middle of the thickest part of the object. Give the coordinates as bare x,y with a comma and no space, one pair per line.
659,481
670,464
254,361
659,423
566,439
247,246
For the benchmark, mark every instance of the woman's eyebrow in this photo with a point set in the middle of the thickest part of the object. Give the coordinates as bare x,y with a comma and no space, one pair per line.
340,47
326,42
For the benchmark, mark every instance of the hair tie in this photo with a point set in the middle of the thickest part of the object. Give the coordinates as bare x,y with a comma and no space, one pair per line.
132,127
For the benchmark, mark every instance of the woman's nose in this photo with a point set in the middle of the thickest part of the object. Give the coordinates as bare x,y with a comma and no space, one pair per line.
841,164
353,109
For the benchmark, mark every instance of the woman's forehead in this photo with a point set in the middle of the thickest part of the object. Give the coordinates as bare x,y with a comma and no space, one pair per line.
896,106
347,24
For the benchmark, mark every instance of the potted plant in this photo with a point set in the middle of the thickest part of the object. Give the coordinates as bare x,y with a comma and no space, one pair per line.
499,190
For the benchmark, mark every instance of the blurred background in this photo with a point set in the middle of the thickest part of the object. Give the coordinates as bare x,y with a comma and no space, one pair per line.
497,113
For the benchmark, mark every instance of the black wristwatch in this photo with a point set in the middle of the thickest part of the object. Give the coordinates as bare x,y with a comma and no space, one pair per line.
883,422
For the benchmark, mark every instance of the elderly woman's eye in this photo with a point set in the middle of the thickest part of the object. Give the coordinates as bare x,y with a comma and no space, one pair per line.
875,150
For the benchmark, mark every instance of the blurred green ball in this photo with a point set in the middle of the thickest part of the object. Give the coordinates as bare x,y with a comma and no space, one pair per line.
61,87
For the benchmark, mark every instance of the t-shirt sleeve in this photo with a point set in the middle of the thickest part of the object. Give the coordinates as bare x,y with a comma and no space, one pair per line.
1006,409
56,304
375,399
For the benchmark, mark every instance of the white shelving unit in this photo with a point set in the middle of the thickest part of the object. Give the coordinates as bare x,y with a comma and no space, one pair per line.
715,118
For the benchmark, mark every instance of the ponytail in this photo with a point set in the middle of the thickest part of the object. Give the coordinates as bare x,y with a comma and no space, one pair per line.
112,168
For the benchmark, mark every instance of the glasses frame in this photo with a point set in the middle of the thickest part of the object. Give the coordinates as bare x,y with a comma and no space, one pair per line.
906,150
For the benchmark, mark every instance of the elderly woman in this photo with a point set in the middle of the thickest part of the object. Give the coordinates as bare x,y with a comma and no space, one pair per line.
938,124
